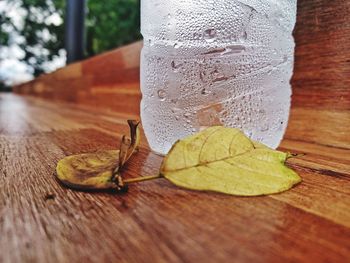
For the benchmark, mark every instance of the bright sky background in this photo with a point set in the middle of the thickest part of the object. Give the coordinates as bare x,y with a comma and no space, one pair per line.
12,70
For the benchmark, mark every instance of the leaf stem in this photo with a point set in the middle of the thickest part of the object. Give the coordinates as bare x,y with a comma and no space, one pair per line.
142,178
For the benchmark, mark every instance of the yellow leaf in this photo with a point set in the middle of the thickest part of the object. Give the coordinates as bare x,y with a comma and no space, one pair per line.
98,170
224,160
88,171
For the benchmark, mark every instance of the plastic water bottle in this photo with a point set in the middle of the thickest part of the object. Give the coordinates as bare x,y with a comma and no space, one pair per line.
216,62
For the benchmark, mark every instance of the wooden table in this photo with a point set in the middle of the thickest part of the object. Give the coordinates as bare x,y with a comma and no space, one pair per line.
41,221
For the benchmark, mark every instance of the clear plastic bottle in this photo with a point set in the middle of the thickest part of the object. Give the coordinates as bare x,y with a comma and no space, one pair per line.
216,62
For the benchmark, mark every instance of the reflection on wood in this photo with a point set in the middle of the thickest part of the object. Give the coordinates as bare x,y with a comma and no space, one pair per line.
110,80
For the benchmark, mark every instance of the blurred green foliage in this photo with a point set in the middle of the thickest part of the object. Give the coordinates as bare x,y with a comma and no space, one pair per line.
33,32
108,24
111,24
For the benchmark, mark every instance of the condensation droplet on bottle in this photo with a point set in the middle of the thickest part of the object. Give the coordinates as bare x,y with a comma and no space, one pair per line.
280,124
285,58
202,76
174,110
244,36
220,78
161,94
209,35
175,66
264,127
217,76
187,114
204,91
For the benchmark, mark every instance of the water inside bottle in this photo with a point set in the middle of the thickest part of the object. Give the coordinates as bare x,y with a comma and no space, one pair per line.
222,62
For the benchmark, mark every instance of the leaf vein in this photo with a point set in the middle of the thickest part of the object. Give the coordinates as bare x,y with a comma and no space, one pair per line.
205,141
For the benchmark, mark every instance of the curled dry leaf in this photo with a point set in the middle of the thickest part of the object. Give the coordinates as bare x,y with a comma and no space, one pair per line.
98,170
89,170
129,145
225,160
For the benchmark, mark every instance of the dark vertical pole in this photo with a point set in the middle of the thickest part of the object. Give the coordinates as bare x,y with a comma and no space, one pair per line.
74,42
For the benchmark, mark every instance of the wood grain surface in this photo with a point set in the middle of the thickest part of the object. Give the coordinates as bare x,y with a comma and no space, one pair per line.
110,80
85,108
42,221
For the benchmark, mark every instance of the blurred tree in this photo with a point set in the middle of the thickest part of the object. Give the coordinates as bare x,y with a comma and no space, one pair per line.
35,26
4,41
109,24
4,35
43,36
